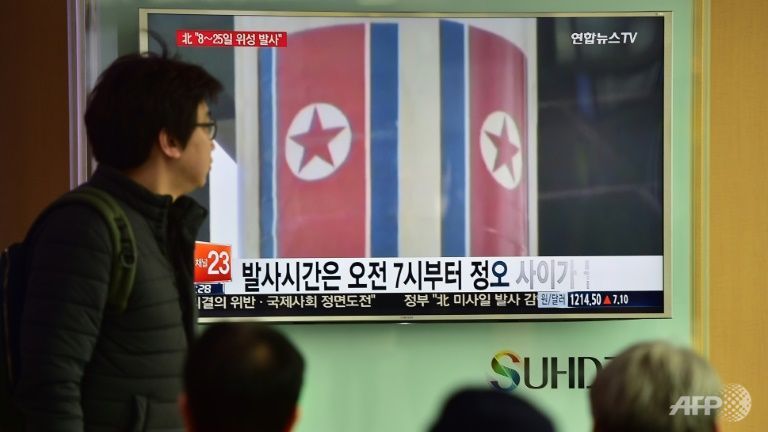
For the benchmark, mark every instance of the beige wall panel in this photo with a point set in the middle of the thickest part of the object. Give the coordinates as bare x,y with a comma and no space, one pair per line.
34,149
738,221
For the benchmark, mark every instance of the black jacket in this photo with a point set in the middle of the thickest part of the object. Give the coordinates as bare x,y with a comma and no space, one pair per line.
85,366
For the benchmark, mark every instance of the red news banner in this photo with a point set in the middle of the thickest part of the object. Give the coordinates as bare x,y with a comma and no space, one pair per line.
228,38
213,262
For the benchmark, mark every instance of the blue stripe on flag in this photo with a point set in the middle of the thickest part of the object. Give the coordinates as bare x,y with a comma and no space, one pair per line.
453,129
267,113
384,140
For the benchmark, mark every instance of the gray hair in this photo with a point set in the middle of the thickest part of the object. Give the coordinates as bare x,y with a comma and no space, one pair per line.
634,392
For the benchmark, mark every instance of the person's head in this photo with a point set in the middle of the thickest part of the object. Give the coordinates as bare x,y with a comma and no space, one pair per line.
635,390
147,107
472,410
241,377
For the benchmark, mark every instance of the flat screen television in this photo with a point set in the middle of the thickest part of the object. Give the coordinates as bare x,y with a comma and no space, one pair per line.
428,166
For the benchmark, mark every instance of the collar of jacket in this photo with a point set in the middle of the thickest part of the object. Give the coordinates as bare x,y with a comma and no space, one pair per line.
160,211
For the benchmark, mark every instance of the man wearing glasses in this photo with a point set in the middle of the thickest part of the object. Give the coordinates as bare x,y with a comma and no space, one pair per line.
86,365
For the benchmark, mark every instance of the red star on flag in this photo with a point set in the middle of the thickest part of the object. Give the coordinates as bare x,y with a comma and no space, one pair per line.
505,149
316,141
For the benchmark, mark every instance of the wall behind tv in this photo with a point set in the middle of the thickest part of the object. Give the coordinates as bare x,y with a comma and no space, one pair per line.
34,149
390,376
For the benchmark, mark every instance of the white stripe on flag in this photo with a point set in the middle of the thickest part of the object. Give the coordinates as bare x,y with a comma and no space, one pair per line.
420,200
247,137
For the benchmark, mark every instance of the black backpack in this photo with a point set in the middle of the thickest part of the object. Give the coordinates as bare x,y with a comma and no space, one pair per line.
13,287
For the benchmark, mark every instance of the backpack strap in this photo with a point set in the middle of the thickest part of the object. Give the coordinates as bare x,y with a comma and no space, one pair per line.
13,279
10,303
123,270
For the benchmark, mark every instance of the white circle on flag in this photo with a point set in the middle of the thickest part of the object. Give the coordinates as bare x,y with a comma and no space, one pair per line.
500,129
329,135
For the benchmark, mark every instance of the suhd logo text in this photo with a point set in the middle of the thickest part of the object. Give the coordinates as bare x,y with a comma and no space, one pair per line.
512,370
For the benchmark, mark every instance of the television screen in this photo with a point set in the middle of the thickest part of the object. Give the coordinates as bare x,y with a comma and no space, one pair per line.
431,166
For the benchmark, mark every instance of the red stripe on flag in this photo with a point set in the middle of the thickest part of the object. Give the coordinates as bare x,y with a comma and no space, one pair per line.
323,217
497,84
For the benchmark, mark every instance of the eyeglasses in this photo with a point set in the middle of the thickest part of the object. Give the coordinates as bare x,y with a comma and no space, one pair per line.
210,127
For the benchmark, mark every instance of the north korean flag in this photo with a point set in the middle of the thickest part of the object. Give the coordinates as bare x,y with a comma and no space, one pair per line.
484,122
320,165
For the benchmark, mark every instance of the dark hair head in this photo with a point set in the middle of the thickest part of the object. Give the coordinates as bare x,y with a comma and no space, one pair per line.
135,98
242,377
488,410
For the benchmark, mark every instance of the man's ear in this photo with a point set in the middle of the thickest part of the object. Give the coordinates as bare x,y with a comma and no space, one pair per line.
183,403
294,418
169,145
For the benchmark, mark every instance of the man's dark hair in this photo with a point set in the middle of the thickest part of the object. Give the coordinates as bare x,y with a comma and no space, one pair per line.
470,410
135,98
242,377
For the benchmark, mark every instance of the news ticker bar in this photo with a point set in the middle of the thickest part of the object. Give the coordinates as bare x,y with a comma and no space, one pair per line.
399,304
567,274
